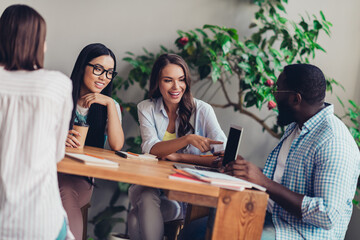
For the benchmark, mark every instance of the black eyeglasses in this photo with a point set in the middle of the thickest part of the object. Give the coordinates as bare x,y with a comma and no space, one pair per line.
99,70
274,91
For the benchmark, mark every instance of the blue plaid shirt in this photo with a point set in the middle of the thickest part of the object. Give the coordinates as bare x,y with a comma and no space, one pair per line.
323,164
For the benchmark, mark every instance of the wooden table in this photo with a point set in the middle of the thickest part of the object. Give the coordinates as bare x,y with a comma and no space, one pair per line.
239,215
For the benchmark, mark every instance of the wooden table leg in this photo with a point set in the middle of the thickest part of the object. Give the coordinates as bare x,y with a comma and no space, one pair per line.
240,215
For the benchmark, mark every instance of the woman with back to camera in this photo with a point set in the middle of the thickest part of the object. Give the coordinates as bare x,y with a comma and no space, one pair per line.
176,127
35,111
92,78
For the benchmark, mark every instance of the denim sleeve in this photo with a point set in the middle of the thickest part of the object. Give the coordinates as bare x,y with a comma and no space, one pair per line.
213,129
334,185
147,127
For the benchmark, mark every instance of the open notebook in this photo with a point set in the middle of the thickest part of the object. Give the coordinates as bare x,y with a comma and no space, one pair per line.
92,160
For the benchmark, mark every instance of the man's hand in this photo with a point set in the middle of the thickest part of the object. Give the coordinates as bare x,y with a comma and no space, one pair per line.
287,199
243,169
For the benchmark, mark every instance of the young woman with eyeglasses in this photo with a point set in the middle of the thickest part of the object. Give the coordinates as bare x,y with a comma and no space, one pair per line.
35,111
176,127
92,78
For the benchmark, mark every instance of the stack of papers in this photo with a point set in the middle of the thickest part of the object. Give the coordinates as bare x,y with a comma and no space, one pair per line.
92,160
214,178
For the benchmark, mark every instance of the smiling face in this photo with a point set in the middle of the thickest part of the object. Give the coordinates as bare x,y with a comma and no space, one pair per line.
172,84
93,83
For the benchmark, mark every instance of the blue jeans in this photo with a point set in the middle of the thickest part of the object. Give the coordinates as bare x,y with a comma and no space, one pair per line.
62,233
196,230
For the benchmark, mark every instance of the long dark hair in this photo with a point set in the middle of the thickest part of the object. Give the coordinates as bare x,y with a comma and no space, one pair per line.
97,116
22,38
186,105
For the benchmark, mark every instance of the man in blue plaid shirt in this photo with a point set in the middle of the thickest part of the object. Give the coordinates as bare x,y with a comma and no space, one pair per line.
311,175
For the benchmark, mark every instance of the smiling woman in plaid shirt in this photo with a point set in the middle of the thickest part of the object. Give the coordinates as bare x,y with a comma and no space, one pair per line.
311,175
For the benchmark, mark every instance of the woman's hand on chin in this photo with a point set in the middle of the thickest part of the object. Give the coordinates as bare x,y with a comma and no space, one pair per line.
91,98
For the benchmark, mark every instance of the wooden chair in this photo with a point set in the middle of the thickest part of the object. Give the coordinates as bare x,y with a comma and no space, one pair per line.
84,212
172,229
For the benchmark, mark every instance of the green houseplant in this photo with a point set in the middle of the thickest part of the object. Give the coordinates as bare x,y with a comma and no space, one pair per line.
220,59
106,219
218,56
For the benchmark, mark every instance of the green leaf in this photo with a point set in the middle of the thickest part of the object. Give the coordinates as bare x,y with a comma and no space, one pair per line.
272,40
352,114
245,66
181,33
224,41
133,62
233,34
226,47
129,53
353,104
194,35
275,52
317,25
226,64
282,20
211,26
212,52
281,7
249,44
164,48
201,32
250,99
322,15
123,187
317,46
146,51
304,25
260,64
216,72
252,25
340,101
256,37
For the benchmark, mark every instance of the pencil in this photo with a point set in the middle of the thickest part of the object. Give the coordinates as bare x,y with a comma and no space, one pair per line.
133,154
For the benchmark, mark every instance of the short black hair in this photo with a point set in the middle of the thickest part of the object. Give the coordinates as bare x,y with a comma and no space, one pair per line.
306,79
97,116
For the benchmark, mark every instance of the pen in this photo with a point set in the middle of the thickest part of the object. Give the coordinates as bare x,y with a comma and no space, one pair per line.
134,154
94,156
211,155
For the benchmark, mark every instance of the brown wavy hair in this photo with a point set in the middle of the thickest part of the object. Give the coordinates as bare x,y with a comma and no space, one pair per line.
186,105
22,38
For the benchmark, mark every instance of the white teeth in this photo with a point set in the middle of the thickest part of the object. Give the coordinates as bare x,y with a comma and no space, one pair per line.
175,94
99,84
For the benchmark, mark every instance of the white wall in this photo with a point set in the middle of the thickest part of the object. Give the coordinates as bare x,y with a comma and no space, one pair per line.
125,25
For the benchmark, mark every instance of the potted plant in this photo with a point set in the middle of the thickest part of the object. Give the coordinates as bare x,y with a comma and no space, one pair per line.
218,57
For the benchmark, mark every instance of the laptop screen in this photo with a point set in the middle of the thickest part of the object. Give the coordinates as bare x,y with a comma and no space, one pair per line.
232,144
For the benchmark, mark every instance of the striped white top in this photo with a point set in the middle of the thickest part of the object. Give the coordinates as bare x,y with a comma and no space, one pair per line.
35,109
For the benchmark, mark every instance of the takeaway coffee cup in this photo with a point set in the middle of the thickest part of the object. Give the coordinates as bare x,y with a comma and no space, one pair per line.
82,128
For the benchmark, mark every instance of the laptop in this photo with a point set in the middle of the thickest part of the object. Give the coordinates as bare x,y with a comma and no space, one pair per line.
231,150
